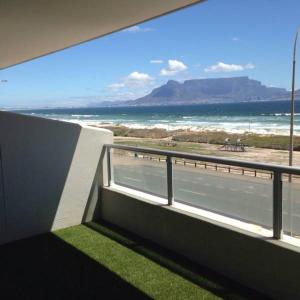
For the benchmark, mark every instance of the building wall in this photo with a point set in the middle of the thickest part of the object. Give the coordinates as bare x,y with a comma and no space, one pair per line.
269,266
50,174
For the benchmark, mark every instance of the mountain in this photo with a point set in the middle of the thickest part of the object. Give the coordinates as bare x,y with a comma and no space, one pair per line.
236,89
213,90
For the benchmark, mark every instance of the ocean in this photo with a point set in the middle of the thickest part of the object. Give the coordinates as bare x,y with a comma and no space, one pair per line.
270,117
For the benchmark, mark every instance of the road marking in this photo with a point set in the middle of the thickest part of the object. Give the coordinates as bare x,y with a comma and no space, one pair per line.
199,178
184,180
233,190
196,193
219,186
248,192
207,184
133,179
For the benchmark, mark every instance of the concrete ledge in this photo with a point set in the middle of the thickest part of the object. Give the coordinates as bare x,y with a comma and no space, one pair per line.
269,266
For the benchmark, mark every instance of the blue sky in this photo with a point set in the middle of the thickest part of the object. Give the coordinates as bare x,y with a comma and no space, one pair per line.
215,39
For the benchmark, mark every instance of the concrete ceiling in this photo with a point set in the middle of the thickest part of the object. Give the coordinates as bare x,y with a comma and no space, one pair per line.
33,28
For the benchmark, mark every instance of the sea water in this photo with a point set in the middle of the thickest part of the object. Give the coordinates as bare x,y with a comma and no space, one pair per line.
269,117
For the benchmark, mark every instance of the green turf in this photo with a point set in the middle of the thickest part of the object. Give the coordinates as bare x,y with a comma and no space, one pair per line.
95,261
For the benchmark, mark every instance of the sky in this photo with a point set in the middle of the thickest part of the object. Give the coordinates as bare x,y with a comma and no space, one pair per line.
210,40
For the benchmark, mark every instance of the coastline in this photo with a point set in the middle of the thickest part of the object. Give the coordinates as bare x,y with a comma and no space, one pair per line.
264,155
250,140
262,118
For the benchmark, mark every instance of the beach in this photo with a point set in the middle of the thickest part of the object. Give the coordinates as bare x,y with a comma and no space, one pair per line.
260,148
266,155
263,127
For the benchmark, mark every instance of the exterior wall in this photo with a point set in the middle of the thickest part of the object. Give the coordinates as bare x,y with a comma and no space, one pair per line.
269,266
48,174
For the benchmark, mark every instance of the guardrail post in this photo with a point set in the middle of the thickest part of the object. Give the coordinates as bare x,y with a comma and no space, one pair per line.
170,180
277,205
108,166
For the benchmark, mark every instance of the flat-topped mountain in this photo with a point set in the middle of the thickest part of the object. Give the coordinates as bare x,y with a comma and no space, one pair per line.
235,89
212,90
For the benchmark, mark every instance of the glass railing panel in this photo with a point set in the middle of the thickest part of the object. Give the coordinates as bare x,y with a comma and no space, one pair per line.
143,172
242,194
291,206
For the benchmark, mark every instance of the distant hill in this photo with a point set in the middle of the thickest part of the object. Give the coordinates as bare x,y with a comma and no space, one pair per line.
213,90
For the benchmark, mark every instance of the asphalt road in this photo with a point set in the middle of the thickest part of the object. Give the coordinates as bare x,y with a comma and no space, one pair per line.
242,197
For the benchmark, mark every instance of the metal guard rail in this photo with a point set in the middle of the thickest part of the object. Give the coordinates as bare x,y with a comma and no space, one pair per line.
277,170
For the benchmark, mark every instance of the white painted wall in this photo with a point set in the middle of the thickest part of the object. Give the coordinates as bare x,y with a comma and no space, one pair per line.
49,176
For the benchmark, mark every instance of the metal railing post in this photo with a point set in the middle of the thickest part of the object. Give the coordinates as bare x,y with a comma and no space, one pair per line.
277,205
170,180
108,166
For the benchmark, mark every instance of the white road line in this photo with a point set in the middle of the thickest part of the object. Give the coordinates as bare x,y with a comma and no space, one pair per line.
196,193
288,214
133,179
219,186
233,190
184,180
248,192
207,184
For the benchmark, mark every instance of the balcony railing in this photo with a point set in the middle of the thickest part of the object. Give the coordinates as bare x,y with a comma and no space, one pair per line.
168,157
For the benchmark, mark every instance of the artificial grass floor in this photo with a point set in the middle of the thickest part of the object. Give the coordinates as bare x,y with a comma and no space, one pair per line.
100,261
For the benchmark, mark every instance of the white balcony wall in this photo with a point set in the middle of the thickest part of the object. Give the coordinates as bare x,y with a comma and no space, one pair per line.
50,174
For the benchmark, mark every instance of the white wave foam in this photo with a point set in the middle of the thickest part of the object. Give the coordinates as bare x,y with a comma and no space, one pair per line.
236,126
280,114
83,116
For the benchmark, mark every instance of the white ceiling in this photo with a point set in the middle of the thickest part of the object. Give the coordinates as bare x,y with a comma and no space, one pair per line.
32,28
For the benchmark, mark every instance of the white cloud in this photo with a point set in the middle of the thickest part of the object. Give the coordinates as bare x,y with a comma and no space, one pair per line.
235,39
133,80
116,86
156,61
221,67
137,79
136,29
174,67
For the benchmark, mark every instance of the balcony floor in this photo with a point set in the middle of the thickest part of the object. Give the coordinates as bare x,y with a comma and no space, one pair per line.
100,261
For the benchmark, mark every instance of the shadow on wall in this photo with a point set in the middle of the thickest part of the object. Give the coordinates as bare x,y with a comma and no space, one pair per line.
48,168
193,272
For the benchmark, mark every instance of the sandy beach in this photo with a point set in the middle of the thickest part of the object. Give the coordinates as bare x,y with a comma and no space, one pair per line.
260,148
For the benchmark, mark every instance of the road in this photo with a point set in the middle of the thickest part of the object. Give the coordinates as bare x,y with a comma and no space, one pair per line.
242,197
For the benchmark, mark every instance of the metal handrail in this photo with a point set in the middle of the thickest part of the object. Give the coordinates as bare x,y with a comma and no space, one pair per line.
213,159
276,169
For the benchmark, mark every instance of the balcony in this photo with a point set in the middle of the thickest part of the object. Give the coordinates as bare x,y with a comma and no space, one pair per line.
170,225
55,175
